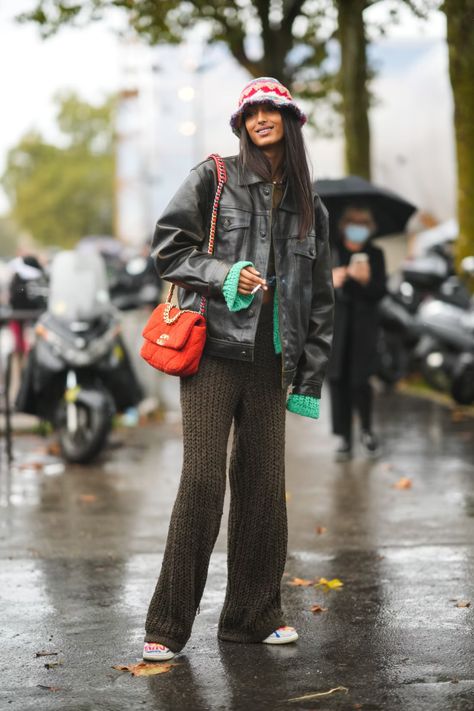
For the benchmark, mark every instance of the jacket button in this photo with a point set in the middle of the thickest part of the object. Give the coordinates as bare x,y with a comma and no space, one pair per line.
266,191
263,234
244,353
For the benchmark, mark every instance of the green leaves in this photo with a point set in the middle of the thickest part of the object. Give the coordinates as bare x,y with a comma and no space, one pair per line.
59,194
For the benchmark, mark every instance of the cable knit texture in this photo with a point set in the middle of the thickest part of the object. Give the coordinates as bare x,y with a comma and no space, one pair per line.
303,405
234,300
250,395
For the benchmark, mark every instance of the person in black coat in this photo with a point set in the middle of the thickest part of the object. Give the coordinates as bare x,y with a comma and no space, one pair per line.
359,281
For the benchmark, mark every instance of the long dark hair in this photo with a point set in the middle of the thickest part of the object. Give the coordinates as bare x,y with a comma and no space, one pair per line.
295,167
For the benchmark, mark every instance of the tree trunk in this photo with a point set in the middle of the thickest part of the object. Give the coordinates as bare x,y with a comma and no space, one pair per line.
353,85
460,16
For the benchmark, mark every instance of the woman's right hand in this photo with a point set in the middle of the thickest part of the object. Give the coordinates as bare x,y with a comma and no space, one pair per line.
249,279
339,276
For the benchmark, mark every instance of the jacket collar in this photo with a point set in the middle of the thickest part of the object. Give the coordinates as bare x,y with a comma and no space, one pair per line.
248,177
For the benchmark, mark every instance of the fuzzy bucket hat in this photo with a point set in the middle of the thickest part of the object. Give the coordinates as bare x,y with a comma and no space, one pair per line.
265,90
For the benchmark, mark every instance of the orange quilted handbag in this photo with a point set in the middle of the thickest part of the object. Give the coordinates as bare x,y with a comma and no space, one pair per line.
175,338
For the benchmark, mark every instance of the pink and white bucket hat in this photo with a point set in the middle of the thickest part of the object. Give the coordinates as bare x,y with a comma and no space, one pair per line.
265,90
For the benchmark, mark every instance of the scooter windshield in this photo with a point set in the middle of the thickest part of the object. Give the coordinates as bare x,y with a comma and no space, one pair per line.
78,287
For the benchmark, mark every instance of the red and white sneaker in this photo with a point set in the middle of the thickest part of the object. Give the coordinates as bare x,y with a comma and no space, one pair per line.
283,635
154,652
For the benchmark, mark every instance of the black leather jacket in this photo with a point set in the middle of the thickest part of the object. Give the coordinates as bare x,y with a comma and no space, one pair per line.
245,227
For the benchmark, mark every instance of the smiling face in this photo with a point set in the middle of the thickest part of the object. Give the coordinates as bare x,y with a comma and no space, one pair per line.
264,125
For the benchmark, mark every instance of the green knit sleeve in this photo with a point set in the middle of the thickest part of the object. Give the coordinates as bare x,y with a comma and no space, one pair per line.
303,405
276,325
235,301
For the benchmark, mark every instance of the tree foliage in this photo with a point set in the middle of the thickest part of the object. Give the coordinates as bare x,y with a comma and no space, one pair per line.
282,38
288,39
60,193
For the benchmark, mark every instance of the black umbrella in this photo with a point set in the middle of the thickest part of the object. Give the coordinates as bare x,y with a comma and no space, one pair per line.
391,212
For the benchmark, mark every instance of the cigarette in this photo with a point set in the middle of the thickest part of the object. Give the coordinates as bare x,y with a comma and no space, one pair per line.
256,288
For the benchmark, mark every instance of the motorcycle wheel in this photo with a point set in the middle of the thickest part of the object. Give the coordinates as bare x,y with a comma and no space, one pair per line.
93,427
462,387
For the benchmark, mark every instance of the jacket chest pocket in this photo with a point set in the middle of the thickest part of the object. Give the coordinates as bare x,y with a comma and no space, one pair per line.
231,233
306,249
304,256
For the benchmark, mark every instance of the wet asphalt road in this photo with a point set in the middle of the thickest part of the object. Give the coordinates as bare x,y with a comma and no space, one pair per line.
81,547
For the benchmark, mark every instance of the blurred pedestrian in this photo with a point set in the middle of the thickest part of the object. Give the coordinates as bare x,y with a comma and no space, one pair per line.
359,282
27,291
269,324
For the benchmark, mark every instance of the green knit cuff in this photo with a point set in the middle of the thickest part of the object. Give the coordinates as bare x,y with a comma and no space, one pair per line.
235,301
303,405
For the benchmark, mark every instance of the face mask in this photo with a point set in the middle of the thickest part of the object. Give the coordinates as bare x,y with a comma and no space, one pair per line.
356,233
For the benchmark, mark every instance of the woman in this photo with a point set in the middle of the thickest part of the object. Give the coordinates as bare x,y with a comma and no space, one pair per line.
269,322
359,280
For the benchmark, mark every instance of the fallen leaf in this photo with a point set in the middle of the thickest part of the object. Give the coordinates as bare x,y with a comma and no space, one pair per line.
320,693
145,668
49,688
46,654
318,608
320,529
458,415
333,584
32,465
403,483
54,449
300,582
52,665
87,498
463,603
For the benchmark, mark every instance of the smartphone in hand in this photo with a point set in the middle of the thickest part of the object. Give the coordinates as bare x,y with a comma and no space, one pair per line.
359,258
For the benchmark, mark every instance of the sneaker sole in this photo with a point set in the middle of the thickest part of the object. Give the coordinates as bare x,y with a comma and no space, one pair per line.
158,657
282,640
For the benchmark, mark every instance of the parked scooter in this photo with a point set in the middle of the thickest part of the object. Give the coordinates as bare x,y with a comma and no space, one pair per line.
399,330
429,275
78,373
446,348
398,311
135,284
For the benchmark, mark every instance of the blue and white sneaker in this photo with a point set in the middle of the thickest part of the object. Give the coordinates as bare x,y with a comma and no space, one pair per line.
154,652
283,635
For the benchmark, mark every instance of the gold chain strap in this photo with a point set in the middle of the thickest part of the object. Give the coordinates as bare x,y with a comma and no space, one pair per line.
172,319
221,180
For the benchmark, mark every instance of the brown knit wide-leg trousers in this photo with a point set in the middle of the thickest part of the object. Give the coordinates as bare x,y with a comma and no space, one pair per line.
249,394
